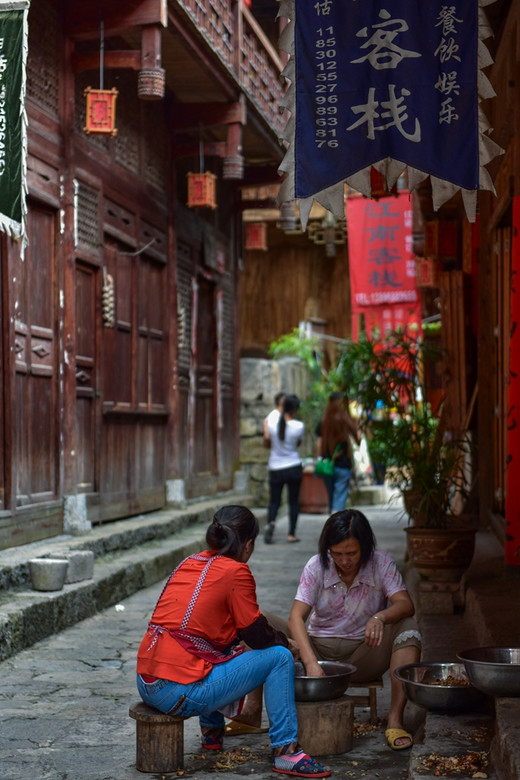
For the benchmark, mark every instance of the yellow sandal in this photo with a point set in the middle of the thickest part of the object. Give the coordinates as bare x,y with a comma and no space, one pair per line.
392,735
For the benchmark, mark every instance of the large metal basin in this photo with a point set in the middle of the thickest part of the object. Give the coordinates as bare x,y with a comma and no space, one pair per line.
331,686
428,685
494,670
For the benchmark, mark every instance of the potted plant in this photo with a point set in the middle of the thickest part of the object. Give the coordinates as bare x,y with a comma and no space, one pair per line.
428,463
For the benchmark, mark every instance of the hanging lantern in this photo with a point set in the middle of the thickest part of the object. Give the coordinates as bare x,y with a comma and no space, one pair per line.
100,115
426,272
201,190
256,235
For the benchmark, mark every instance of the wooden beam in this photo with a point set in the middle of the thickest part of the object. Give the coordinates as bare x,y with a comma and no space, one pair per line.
83,17
192,115
151,47
111,59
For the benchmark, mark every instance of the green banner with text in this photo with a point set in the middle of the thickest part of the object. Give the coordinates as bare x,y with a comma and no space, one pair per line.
13,50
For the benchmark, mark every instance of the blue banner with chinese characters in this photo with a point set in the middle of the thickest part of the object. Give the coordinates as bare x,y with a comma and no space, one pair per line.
384,83
384,78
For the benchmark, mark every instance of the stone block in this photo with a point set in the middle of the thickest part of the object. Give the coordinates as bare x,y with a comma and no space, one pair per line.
241,482
250,427
75,519
252,450
438,598
175,493
81,565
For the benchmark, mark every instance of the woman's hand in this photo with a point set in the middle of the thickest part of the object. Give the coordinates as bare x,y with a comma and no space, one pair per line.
374,631
313,669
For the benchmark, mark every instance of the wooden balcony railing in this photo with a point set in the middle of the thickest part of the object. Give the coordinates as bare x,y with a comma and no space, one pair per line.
232,31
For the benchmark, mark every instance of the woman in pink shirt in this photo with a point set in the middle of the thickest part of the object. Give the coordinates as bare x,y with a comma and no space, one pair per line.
360,612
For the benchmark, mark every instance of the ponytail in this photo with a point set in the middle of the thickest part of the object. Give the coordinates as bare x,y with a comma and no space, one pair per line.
232,526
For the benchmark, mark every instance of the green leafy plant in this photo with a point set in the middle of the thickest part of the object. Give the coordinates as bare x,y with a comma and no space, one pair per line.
321,382
386,377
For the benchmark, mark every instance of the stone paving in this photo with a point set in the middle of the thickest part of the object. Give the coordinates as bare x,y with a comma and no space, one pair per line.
64,701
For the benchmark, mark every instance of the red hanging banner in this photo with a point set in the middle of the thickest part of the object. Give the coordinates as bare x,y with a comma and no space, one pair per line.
381,261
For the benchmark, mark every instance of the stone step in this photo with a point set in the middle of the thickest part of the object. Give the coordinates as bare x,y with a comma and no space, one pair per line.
129,554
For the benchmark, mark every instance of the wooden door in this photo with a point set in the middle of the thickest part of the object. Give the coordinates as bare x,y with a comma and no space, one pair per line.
35,407
87,445
205,417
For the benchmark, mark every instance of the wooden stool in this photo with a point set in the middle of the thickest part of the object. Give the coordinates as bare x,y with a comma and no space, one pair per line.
325,728
159,739
370,700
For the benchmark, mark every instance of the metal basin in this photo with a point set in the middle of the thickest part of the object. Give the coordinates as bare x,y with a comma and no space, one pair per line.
494,670
332,686
428,685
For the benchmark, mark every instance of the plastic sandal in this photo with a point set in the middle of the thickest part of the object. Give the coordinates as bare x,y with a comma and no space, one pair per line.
392,735
213,739
299,764
236,727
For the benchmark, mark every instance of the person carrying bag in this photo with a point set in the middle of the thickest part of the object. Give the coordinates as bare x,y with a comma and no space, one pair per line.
333,434
324,467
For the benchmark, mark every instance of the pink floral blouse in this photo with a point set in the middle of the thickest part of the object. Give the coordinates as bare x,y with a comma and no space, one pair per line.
341,611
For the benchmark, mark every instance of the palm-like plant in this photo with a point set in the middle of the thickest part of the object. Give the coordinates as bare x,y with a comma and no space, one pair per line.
426,465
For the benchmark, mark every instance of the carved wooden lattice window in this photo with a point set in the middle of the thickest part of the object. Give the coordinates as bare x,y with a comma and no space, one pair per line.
184,307
87,216
227,345
42,62
126,142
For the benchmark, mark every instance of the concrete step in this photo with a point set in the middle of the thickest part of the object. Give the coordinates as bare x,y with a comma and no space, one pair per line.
129,554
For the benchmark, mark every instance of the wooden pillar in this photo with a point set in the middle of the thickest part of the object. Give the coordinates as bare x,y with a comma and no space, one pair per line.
512,536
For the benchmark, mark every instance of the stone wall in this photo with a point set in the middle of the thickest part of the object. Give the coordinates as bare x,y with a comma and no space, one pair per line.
260,380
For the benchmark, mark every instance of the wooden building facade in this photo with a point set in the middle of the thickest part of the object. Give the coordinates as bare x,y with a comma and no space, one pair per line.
478,295
119,355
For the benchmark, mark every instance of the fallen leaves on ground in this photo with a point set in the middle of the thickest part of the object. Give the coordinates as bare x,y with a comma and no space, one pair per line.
363,729
229,759
470,764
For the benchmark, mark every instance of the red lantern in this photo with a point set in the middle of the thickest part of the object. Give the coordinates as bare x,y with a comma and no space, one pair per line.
100,111
201,190
256,235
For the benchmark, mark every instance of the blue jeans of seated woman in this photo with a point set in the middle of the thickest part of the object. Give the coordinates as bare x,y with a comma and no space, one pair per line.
273,668
337,488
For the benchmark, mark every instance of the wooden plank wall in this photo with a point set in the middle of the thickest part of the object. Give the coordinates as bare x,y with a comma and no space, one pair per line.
290,282
501,318
454,343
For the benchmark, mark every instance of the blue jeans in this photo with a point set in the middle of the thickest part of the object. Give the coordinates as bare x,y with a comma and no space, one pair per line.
338,487
273,668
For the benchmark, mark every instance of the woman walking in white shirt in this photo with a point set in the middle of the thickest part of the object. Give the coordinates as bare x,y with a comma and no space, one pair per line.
285,466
